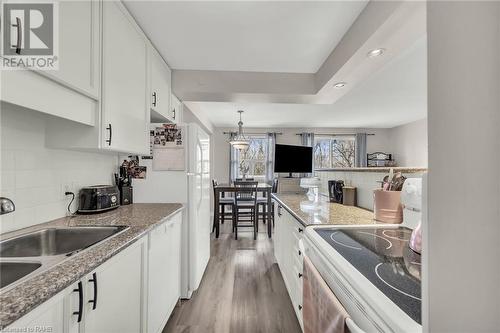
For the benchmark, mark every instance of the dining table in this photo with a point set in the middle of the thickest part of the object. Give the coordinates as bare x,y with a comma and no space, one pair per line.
263,188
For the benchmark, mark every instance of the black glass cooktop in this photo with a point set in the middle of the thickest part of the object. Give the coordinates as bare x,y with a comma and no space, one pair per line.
383,256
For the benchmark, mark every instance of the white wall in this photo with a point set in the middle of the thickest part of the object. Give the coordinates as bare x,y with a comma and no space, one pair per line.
409,144
415,142
461,239
35,177
365,183
189,117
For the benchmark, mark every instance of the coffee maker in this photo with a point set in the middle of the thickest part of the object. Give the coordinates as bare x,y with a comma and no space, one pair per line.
335,191
124,183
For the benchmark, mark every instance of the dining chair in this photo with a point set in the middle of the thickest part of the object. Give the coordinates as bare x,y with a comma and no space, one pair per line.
251,179
223,202
245,212
262,202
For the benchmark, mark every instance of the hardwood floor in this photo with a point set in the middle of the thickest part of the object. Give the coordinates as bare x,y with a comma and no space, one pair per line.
242,290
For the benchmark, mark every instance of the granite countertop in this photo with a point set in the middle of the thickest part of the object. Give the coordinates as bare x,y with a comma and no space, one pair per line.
377,169
27,295
324,212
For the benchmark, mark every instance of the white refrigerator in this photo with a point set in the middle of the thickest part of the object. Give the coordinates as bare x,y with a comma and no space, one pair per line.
192,188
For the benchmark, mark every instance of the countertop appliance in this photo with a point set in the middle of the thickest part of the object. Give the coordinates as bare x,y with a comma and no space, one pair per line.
191,188
372,270
6,206
335,190
98,198
411,199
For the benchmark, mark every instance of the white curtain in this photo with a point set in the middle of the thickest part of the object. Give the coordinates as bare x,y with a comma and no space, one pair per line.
307,139
233,161
361,158
271,142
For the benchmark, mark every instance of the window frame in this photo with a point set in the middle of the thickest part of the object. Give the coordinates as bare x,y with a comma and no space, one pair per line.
251,162
331,156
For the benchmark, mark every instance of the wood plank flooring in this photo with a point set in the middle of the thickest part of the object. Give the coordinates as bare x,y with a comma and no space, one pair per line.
242,290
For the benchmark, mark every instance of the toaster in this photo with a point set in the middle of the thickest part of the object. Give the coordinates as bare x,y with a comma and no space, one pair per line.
98,198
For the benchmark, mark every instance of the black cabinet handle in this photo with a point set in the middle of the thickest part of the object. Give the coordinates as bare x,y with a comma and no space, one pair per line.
94,301
300,229
300,253
110,129
19,35
154,99
279,210
173,111
300,307
300,275
80,301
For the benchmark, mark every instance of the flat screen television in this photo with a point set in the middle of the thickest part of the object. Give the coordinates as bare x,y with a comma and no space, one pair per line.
290,159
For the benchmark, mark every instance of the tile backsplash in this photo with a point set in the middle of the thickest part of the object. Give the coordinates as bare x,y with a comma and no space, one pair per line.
365,183
36,177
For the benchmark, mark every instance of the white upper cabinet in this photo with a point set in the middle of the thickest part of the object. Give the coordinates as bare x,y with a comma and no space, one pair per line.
124,102
79,46
72,91
160,76
176,109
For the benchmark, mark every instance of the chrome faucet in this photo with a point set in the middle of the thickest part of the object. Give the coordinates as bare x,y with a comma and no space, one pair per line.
6,206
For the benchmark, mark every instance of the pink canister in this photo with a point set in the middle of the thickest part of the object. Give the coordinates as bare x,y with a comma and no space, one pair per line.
387,206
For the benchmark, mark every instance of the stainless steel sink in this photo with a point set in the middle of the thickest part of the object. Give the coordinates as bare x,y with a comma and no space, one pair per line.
35,252
55,241
13,271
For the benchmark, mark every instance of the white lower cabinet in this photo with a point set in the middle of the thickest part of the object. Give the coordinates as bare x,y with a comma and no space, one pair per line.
163,272
48,317
113,293
287,233
134,291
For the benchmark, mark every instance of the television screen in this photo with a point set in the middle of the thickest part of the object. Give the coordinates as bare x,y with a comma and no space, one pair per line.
293,159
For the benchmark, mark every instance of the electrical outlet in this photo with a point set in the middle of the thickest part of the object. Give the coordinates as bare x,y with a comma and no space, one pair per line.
65,187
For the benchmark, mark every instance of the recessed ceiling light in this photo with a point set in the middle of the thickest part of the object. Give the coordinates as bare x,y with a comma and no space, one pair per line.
339,85
375,53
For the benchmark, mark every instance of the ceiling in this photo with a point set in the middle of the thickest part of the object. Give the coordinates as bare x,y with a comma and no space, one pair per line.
392,96
258,36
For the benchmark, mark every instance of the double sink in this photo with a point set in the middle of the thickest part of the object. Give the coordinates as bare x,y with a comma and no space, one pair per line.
32,253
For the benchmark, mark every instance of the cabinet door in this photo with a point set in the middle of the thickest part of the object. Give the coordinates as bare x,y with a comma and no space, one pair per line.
176,109
72,91
175,230
79,46
278,233
160,88
159,277
163,272
124,103
48,317
119,293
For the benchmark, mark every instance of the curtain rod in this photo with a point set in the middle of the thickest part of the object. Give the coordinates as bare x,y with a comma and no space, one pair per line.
340,134
277,133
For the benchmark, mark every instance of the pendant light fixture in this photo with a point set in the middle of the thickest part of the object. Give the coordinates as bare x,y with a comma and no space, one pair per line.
240,141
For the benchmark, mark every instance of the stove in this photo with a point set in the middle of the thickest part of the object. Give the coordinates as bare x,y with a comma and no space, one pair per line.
382,255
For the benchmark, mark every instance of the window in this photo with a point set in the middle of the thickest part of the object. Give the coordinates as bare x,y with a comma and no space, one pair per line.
334,151
254,159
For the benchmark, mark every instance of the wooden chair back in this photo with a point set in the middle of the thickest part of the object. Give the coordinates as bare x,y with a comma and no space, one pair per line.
246,191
